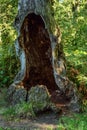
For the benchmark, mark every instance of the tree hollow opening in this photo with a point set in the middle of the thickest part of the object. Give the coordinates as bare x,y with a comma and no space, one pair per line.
35,41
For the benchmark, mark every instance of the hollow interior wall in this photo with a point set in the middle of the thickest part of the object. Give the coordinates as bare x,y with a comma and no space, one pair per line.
35,41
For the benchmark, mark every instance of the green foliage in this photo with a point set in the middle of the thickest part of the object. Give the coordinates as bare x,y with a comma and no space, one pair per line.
20,110
8,60
25,109
75,122
6,128
9,112
71,16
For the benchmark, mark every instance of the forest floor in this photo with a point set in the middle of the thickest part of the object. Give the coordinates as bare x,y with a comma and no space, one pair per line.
46,120
43,121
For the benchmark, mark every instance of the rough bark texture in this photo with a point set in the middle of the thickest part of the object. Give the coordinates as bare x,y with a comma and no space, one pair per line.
40,51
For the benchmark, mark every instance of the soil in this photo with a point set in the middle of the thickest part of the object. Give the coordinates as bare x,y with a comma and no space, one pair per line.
46,120
42,122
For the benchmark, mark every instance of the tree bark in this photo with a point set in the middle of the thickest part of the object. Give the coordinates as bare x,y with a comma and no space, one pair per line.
40,50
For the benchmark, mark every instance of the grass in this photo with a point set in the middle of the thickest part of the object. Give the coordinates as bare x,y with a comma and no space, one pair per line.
5,128
71,122
74,122
20,110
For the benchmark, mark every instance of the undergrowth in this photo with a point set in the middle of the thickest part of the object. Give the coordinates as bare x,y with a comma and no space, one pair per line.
22,110
74,122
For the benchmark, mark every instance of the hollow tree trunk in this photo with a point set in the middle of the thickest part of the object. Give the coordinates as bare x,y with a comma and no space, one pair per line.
40,50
